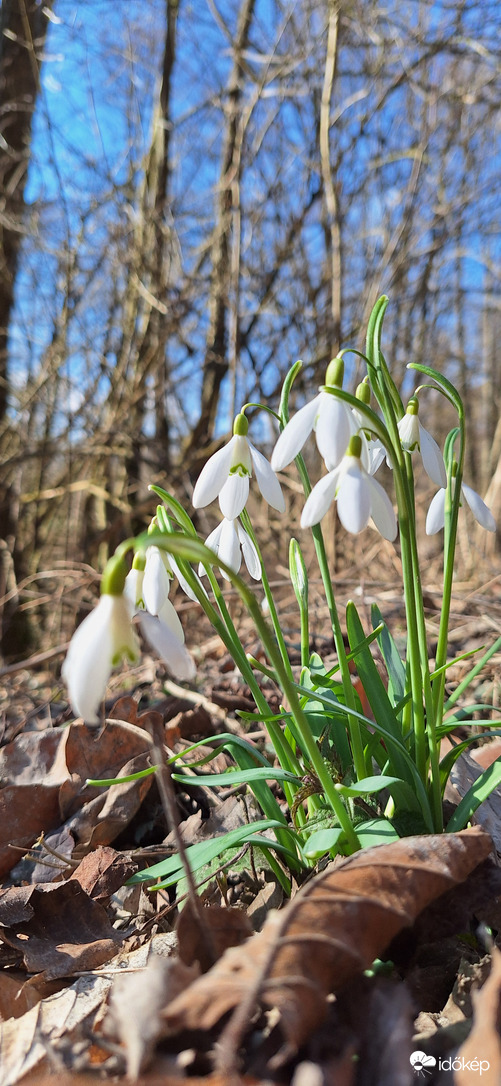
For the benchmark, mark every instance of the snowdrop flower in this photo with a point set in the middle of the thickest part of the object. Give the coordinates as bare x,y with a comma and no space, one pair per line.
358,497
414,436
226,475
100,643
332,421
435,519
230,541
147,593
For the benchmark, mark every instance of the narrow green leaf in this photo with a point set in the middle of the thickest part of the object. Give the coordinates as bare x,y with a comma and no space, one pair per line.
234,777
391,656
484,785
368,785
205,851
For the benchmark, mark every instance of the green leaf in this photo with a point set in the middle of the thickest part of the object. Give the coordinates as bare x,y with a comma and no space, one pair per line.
391,656
367,786
452,755
484,785
205,851
233,777
320,842
376,831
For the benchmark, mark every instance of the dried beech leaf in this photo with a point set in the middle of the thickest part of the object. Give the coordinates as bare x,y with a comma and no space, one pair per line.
103,872
484,1041
66,933
25,1041
332,930
32,769
206,941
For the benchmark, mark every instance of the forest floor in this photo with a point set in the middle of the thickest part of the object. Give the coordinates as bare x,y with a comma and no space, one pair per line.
379,970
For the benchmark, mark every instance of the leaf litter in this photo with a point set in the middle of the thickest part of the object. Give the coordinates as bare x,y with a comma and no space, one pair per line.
86,985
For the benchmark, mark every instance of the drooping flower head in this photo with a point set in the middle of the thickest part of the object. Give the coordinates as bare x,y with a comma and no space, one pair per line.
435,519
99,645
230,542
357,494
414,436
146,588
227,473
331,420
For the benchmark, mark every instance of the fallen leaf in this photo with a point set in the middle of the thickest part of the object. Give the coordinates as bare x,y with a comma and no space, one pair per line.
135,1004
32,769
484,1041
206,940
103,872
66,932
25,1041
332,930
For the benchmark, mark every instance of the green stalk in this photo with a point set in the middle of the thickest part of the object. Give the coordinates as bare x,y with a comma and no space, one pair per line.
247,524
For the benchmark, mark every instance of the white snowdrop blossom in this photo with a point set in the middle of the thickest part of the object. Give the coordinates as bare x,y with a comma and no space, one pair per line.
332,421
147,593
230,541
435,519
227,473
100,643
357,494
414,436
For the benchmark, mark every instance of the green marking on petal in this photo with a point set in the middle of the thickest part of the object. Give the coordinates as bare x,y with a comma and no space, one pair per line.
239,469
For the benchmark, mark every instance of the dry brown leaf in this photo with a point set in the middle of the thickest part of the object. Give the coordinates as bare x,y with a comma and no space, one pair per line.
103,872
32,770
483,1042
332,930
66,932
206,942
25,1041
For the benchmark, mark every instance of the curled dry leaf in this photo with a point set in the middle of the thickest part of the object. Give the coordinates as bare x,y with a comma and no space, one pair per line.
332,930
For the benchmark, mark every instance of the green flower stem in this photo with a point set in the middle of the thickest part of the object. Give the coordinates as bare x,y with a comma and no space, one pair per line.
452,504
247,524
361,769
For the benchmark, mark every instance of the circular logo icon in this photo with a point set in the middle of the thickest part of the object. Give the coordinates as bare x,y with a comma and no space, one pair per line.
422,1063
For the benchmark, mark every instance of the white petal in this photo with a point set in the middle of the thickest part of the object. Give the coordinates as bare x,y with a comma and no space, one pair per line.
409,429
251,557
233,496
294,435
182,580
240,454
168,647
382,511
433,461
480,510
334,427
99,643
267,481
213,476
156,581
376,453
169,616
435,517
320,499
354,498
229,547
133,590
